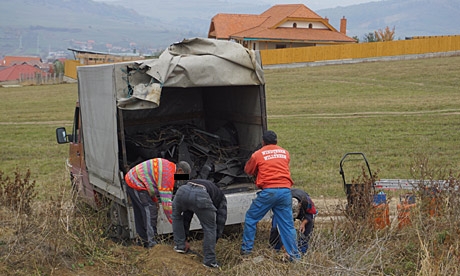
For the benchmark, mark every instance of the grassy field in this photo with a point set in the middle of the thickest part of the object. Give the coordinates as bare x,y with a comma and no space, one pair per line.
398,113
391,111
394,112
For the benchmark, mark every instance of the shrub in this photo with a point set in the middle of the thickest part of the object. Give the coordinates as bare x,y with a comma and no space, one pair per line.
17,193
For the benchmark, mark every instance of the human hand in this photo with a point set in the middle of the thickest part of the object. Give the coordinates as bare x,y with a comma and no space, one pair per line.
187,246
302,225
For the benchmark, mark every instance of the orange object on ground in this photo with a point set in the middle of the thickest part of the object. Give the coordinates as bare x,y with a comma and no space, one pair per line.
404,214
432,202
381,214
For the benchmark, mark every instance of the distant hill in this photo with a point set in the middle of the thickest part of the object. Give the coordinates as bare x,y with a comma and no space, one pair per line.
408,17
191,14
37,27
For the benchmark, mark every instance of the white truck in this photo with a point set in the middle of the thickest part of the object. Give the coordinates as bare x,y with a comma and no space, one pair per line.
202,101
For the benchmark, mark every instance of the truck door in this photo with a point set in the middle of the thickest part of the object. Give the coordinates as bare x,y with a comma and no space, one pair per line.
78,172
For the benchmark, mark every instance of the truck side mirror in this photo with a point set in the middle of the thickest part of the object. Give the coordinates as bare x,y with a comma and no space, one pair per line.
61,135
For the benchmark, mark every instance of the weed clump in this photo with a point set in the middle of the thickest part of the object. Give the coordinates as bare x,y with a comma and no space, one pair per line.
17,193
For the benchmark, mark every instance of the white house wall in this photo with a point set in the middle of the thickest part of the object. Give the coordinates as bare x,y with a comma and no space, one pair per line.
303,24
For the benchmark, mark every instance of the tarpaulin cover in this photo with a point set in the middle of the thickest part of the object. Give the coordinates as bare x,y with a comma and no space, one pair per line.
196,62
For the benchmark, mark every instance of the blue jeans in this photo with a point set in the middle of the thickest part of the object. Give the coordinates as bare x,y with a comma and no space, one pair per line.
195,199
280,202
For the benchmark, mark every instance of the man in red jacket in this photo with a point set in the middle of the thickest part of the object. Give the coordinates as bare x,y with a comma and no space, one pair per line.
270,165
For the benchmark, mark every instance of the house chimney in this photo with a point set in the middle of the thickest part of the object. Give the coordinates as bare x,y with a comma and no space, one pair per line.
343,25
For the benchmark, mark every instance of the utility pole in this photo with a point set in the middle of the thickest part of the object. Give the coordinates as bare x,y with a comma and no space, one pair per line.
38,44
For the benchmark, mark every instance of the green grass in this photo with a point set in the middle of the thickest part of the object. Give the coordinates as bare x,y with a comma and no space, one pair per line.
393,112
397,86
28,121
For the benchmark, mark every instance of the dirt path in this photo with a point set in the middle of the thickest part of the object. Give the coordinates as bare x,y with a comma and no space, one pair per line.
370,114
319,115
60,123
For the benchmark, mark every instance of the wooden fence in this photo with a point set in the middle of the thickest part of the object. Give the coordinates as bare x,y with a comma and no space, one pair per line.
70,66
36,79
416,45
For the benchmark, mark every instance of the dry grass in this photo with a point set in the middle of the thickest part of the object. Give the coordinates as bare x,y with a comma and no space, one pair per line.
61,237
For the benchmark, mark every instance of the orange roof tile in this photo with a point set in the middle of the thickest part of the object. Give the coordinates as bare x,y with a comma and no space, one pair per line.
14,72
223,25
279,12
266,26
11,60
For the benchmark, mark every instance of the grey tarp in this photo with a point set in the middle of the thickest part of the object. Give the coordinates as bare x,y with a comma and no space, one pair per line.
197,62
98,114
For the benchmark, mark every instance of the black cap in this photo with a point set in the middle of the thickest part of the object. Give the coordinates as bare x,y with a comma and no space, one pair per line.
270,138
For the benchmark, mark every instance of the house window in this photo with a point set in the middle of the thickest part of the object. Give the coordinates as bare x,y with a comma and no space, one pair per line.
294,25
280,46
310,26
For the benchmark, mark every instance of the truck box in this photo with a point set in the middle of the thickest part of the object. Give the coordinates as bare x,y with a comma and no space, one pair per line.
202,101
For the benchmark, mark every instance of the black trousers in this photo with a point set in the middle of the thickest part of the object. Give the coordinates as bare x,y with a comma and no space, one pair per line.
145,215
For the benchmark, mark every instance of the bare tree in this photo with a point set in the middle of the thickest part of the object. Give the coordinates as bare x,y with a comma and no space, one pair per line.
385,35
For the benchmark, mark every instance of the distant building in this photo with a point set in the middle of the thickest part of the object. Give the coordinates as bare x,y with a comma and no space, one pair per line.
14,60
20,72
281,26
86,57
29,60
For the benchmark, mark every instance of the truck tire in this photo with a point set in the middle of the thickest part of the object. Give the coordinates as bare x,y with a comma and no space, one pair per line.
118,229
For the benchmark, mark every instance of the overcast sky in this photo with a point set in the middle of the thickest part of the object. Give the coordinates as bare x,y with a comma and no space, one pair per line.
318,4
312,4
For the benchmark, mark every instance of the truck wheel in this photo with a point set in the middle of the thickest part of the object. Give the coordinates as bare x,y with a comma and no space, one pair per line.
118,223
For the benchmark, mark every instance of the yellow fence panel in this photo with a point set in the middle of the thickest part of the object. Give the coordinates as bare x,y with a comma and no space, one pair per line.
70,68
416,45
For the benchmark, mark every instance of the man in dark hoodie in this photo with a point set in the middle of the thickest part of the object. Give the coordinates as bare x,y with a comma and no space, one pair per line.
203,198
304,210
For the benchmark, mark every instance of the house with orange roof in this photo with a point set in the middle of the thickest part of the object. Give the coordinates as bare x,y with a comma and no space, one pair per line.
19,60
20,72
281,26
15,60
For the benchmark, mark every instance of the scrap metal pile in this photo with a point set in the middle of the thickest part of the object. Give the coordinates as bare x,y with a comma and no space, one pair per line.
215,156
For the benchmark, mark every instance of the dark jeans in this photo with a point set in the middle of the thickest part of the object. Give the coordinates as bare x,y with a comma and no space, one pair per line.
145,215
195,199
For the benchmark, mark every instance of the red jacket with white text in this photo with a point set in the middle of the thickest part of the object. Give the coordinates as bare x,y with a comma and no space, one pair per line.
270,165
